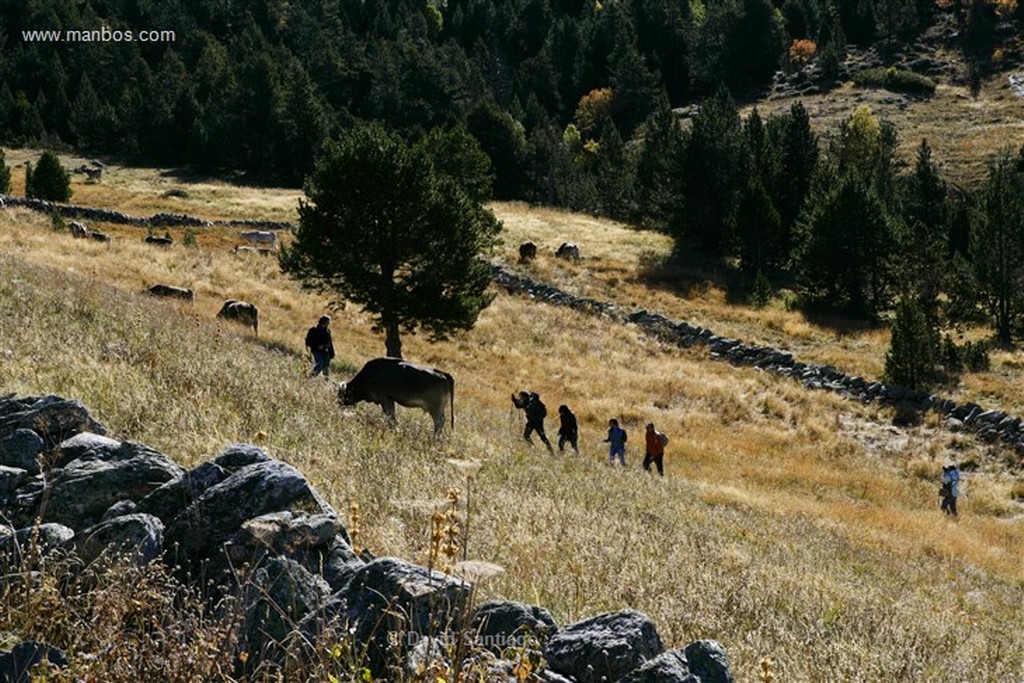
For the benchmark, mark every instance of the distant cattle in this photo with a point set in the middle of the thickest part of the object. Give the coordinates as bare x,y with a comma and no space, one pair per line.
245,250
78,229
99,236
3,204
387,381
159,241
527,252
171,291
255,237
568,251
241,312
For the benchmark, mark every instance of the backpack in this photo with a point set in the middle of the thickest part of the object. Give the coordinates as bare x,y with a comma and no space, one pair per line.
664,440
625,436
540,410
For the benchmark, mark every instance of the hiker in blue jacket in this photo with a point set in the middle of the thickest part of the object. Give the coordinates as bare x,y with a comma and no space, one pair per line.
616,442
950,488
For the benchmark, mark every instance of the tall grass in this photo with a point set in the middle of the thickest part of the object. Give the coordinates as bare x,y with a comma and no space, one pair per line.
791,524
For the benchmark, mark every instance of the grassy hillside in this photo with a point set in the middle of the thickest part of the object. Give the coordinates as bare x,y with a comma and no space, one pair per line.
791,524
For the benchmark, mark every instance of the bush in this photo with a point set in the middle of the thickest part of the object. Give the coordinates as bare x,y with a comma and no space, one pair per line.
895,80
57,222
189,238
970,356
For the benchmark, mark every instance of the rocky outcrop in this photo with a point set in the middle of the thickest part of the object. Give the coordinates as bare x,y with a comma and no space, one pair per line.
249,528
991,426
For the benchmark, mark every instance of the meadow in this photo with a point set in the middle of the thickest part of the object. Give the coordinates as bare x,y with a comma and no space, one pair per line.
791,525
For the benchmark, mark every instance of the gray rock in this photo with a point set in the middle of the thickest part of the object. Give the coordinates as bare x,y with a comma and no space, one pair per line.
43,539
709,662
51,417
387,605
278,596
500,625
85,445
239,455
11,479
340,563
172,498
138,537
299,536
16,665
120,509
201,530
21,449
605,647
424,654
86,488
668,667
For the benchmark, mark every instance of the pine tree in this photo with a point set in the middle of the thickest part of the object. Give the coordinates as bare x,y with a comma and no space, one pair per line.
910,360
49,180
997,244
5,174
709,176
382,230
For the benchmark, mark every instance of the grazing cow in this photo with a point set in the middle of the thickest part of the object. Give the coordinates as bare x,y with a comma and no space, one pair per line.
78,229
159,241
99,236
172,291
241,312
527,252
3,204
568,251
255,237
387,381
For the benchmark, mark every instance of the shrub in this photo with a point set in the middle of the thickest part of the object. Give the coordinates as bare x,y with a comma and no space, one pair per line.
801,51
895,80
909,359
58,222
189,238
970,356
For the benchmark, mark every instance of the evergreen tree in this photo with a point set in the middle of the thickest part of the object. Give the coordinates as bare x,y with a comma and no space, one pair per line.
798,158
662,140
997,244
49,180
5,174
457,155
910,360
846,256
614,175
708,176
28,179
382,230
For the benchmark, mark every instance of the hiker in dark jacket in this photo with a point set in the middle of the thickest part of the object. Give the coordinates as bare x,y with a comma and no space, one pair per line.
568,429
536,411
319,343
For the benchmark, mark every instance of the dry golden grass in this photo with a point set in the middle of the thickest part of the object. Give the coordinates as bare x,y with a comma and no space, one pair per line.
792,524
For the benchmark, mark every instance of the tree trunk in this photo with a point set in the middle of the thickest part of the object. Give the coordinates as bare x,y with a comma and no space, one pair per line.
393,342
